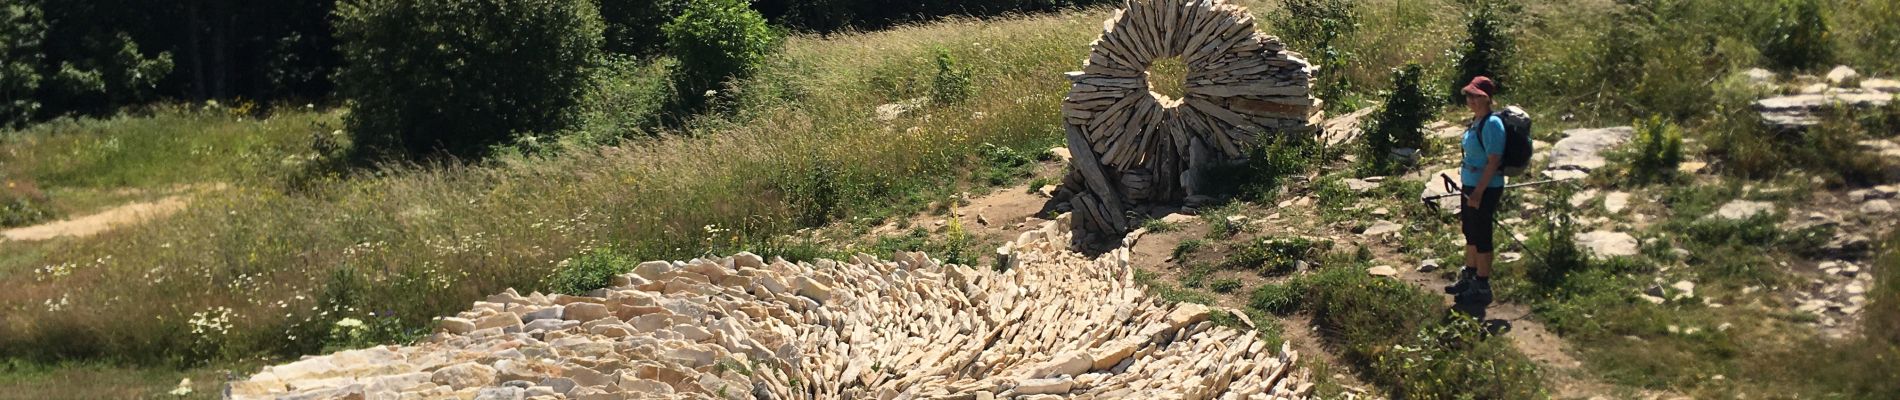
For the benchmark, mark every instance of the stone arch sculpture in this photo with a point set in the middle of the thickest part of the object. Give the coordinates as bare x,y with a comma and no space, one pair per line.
1133,149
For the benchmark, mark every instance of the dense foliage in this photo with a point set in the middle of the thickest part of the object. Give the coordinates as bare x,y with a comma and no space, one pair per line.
716,40
490,69
1399,123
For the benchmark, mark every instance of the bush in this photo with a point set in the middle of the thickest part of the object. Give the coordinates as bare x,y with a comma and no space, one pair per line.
1276,298
1454,360
1487,50
1228,285
452,77
1399,124
1315,27
1658,149
591,270
1275,255
1799,37
632,27
1266,164
1554,253
714,41
21,30
22,204
952,83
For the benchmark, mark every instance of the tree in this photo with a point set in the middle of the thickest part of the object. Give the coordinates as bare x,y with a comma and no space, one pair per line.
716,40
456,77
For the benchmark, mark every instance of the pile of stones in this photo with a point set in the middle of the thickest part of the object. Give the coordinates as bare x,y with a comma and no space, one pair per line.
1134,148
1054,324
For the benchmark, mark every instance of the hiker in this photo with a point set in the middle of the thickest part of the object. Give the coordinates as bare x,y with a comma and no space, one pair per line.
1483,187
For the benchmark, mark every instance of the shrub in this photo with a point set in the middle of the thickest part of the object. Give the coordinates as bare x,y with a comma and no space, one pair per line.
1275,255
452,77
714,41
1658,149
1278,298
1554,253
22,204
591,270
1399,123
1315,27
1454,359
21,30
632,27
1227,285
1487,49
1799,37
1186,247
952,83
1258,178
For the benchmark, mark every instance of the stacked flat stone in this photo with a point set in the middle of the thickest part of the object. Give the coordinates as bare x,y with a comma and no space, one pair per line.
1134,147
1055,324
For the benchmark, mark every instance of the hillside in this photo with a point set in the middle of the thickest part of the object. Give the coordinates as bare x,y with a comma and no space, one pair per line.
1757,263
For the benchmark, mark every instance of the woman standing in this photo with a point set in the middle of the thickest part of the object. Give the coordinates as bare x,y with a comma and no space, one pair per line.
1483,188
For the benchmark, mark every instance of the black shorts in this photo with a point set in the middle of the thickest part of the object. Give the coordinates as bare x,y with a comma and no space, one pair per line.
1479,223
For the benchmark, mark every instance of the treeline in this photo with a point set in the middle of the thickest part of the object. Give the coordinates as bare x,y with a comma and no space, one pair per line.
92,57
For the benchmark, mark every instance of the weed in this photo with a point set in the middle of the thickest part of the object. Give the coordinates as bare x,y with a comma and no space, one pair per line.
1658,150
1187,247
1275,255
1160,226
1278,298
591,270
952,82
1224,286
1399,124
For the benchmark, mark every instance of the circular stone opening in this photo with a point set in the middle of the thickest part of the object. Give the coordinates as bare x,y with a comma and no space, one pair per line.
1167,79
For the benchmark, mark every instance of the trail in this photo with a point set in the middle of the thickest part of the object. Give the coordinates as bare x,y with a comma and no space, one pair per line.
94,224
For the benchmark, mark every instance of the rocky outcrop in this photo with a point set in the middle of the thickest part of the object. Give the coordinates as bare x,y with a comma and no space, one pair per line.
1055,324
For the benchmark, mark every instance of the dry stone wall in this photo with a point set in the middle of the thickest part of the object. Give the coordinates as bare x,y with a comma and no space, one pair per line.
1134,148
1055,324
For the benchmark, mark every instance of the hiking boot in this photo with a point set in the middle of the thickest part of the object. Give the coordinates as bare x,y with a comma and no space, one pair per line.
1479,293
1465,276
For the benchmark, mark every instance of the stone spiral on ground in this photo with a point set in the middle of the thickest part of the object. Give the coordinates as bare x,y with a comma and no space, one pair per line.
1133,147
1055,324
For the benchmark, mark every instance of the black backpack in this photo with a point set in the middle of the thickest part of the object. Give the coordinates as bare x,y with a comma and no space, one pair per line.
1517,140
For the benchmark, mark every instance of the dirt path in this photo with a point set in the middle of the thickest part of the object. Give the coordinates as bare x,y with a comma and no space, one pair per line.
100,222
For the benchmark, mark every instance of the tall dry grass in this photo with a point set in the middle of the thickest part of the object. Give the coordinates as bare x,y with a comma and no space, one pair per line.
261,271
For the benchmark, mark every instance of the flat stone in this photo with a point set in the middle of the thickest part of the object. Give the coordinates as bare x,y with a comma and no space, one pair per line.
1383,271
1582,149
1606,244
1876,207
464,375
1744,209
553,312
454,325
1382,227
503,320
1428,265
1044,386
586,311
1888,86
1616,202
1841,75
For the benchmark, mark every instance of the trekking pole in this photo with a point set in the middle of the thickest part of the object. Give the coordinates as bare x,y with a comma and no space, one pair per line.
1453,190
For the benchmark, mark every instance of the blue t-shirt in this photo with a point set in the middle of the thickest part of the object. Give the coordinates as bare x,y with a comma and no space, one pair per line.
1478,152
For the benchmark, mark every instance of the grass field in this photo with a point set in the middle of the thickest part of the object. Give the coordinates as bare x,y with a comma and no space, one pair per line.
299,239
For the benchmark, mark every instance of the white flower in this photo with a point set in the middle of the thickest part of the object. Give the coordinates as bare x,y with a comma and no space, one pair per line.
349,323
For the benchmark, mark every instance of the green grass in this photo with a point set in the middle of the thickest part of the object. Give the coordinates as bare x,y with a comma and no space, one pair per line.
1399,337
174,145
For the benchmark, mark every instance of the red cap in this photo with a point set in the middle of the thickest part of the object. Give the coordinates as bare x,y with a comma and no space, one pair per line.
1481,86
